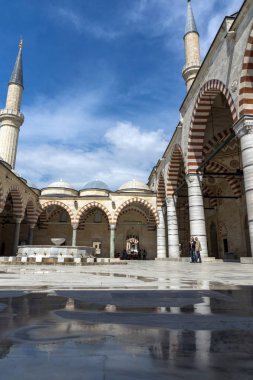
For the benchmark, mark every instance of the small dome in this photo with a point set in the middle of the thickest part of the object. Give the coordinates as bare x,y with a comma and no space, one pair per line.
96,185
61,184
134,186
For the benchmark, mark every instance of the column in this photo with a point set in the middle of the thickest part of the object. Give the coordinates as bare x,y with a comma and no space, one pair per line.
112,240
74,234
16,238
196,210
30,234
161,236
173,240
244,131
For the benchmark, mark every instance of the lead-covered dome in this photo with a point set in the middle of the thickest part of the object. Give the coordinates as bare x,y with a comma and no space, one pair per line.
96,184
135,186
59,188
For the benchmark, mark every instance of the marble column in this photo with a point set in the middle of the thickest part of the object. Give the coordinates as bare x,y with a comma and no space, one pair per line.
30,234
196,210
161,236
16,237
244,131
173,240
74,234
112,240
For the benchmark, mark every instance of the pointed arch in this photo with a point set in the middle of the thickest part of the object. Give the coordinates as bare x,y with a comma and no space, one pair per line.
246,80
62,205
161,193
174,170
18,211
138,201
199,120
90,206
31,212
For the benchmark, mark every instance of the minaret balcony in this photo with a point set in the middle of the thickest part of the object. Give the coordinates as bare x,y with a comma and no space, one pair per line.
13,115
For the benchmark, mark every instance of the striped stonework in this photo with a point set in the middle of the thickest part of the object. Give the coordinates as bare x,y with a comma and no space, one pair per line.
246,81
17,201
207,191
233,182
137,201
210,144
31,213
44,206
174,171
87,214
199,120
161,194
90,206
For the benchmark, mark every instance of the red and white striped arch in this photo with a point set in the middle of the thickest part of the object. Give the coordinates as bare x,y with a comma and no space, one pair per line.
136,201
246,80
174,170
17,201
200,116
93,205
60,204
161,193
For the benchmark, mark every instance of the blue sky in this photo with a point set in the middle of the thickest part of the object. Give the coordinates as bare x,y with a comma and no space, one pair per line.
102,82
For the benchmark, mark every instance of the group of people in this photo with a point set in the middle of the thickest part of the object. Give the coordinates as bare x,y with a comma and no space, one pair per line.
194,250
133,255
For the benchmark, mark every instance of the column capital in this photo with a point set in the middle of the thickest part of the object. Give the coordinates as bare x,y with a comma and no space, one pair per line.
171,199
244,126
74,226
32,225
193,178
18,220
112,226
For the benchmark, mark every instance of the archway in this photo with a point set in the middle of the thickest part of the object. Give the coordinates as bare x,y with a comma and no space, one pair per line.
215,154
135,220
93,228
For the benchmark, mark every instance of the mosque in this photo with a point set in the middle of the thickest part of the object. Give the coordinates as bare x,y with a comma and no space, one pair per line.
201,186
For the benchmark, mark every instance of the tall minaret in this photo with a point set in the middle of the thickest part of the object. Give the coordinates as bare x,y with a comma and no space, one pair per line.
11,118
192,51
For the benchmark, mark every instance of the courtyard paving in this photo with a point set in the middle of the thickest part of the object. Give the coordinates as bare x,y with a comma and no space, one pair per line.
143,320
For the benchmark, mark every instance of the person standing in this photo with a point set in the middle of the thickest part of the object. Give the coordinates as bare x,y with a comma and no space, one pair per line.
198,248
192,250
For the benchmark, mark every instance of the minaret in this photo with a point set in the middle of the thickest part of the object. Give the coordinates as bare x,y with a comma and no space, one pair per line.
192,51
11,118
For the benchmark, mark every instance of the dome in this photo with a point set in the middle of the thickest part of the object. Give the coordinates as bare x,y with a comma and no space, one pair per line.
61,184
134,186
96,185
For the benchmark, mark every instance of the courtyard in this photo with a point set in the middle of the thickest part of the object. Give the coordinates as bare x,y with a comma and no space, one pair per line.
141,320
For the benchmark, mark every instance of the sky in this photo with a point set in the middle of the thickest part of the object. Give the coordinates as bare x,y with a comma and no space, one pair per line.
102,81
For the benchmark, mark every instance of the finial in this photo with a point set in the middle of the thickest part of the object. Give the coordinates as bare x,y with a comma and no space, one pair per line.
21,43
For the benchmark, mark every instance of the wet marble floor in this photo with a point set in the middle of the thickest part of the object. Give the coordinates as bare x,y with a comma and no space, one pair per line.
127,334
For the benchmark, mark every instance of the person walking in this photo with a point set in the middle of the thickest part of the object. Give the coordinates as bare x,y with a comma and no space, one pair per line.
192,250
198,248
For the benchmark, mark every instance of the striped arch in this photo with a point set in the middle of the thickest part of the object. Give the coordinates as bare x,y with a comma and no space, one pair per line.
200,116
17,201
90,206
207,191
174,170
31,212
234,183
2,200
246,80
161,194
139,201
60,204
210,144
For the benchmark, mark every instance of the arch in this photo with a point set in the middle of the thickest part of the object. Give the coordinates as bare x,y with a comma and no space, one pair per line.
60,204
207,191
232,181
210,144
174,170
17,200
246,80
32,215
161,194
199,120
139,201
93,205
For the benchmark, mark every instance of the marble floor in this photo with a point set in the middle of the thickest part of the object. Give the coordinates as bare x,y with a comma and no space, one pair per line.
143,320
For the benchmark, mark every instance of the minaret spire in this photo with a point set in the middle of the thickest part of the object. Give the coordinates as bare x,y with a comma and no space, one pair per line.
192,50
11,118
17,74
